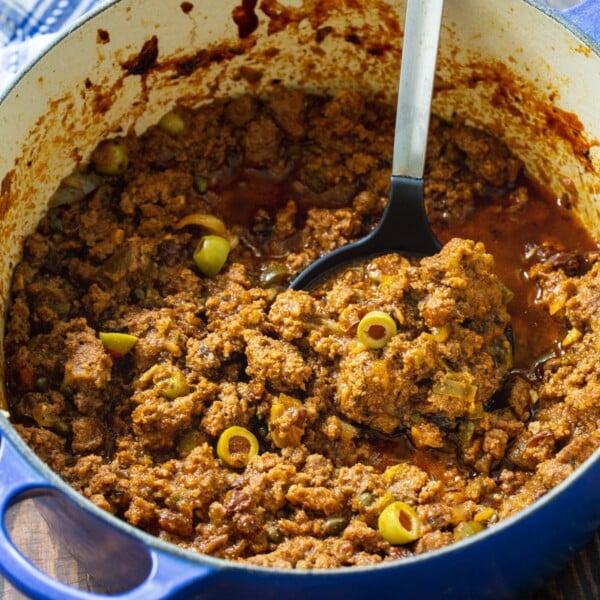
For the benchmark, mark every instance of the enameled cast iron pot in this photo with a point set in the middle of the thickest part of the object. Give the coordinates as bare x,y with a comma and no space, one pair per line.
525,72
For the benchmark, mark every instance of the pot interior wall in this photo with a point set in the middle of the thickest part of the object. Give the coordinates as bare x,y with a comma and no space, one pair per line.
505,67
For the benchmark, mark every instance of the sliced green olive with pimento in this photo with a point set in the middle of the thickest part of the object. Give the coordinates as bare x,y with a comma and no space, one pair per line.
398,523
211,254
376,329
236,446
117,344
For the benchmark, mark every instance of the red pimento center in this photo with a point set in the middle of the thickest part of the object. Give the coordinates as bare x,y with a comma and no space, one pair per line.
239,445
377,332
405,520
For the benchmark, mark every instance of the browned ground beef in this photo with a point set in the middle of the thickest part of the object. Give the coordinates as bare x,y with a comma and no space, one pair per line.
437,418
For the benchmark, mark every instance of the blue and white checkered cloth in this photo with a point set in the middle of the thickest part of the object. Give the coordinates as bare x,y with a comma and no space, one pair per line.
27,27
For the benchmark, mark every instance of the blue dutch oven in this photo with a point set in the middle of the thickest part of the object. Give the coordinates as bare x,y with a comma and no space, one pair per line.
49,124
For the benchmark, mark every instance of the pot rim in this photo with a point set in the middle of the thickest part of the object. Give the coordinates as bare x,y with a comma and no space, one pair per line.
10,436
567,18
575,19
153,542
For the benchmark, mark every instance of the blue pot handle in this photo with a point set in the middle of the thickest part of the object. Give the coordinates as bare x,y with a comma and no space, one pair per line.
586,17
169,575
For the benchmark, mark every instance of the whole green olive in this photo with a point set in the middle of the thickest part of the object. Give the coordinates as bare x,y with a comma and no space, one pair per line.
110,157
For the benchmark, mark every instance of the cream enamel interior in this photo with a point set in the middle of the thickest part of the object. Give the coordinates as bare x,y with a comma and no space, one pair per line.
49,121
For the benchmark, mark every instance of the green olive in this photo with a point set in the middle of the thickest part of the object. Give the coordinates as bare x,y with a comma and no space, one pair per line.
174,385
167,379
117,344
172,123
236,446
200,183
211,254
110,157
398,523
375,329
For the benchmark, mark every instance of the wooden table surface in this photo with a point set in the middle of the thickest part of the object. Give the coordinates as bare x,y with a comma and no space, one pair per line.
580,580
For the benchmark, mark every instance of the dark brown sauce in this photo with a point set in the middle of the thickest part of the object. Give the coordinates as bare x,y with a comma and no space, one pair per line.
389,451
509,235
243,191
144,60
245,18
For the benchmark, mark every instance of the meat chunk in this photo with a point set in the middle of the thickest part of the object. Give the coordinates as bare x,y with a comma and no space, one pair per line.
88,434
288,109
279,364
261,144
87,370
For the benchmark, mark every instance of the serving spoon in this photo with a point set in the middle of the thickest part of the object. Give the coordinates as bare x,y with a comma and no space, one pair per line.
403,226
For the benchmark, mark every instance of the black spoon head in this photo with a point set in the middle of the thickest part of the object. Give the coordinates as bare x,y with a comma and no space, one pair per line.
403,228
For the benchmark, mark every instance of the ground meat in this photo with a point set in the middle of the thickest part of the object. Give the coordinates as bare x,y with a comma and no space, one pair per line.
238,418
88,434
293,315
49,446
451,374
261,144
241,110
234,404
279,364
157,421
288,109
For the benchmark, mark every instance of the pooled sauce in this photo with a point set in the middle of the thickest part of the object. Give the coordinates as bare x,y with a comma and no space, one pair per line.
243,192
511,236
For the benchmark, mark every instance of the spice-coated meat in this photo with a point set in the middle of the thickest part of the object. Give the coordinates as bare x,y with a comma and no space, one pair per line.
390,383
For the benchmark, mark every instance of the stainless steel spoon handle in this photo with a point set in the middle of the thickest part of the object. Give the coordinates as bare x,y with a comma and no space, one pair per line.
417,73
404,226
